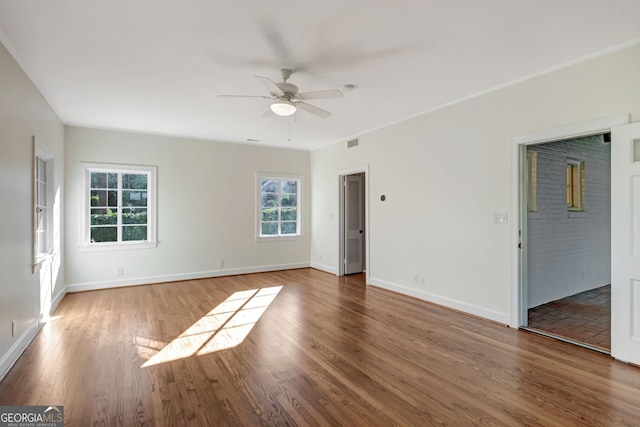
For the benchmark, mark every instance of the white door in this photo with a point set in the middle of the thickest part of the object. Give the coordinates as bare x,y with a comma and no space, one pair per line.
625,243
354,224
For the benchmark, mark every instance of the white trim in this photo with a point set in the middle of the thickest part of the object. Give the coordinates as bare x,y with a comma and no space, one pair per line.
258,211
322,267
367,235
474,310
57,299
519,211
496,88
19,346
42,152
91,286
574,130
124,246
152,206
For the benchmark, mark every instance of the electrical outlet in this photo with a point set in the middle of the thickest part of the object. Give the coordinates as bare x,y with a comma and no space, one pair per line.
120,271
13,328
220,263
421,280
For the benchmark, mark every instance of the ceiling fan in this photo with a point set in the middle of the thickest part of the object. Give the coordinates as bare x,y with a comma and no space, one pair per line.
286,98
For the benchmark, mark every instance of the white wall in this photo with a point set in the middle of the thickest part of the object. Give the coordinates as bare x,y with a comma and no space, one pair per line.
24,113
569,252
206,208
446,173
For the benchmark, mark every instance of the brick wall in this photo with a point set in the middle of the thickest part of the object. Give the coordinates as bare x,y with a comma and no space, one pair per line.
569,252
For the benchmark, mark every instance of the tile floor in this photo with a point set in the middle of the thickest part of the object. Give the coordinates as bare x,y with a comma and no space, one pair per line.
584,317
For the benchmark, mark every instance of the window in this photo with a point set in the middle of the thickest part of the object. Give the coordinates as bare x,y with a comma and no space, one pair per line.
42,202
575,185
120,205
532,181
278,206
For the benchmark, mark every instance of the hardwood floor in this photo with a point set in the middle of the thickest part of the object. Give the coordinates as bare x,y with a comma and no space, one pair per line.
319,351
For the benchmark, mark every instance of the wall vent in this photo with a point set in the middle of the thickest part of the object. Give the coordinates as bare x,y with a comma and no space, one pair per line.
352,143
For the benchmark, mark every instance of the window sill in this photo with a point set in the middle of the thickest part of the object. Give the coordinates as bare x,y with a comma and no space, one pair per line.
98,247
577,214
278,238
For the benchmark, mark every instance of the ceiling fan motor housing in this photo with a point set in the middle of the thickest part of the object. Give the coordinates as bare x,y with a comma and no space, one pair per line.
289,90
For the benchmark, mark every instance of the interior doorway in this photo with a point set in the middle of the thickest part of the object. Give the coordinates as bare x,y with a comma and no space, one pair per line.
353,227
568,223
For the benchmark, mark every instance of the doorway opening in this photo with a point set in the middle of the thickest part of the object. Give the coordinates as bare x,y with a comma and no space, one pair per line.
568,223
556,256
353,222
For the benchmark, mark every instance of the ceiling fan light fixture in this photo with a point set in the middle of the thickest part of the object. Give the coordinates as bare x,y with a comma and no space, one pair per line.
283,107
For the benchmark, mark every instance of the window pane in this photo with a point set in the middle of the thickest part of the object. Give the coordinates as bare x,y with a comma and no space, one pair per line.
103,234
269,200
40,219
98,198
269,228
40,242
270,214
134,216
289,227
98,180
290,187
134,232
104,217
289,200
41,173
42,193
113,180
568,185
113,198
289,214
269,186
134,181
134,198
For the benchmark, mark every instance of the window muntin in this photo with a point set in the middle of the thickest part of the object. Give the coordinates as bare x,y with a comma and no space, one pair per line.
574,183
120,205
279,206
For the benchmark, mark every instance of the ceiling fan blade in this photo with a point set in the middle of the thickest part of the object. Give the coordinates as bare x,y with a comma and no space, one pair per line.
321,94
271,86
313,109
245,96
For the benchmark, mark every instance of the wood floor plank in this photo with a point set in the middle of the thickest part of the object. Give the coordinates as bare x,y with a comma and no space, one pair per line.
325,351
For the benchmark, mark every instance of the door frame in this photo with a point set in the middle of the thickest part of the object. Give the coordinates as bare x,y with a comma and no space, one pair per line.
519,306
341,223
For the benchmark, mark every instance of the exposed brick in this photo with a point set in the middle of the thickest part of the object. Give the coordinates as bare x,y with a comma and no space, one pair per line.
569,252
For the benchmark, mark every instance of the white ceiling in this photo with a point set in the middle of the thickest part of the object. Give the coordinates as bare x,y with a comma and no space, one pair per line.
157,66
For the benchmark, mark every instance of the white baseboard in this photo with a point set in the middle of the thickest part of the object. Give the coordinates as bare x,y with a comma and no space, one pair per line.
57,299
11,356
324,268
475,310
92,286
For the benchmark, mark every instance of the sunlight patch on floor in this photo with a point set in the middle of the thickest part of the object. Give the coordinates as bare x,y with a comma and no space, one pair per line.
224,327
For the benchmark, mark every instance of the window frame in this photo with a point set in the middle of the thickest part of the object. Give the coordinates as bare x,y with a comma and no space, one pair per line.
299,195
41,153
574,185
151,172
